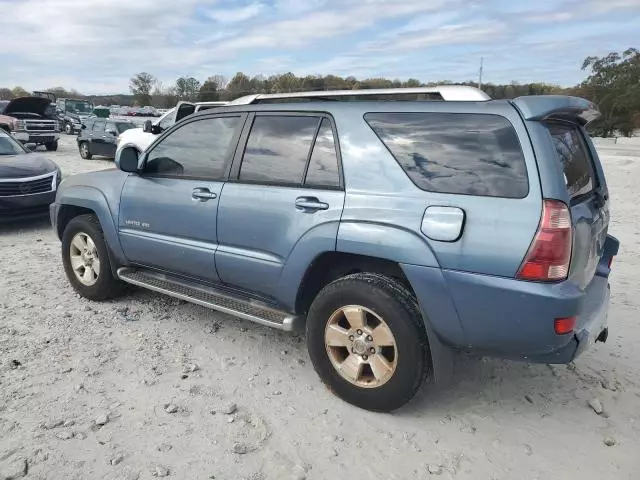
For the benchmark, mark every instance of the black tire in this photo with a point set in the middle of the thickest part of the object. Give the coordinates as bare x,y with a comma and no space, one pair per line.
391,301
85,150
51,146
68,128
106,285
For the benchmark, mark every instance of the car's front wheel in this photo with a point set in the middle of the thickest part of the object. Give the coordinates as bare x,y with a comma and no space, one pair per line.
86,259
85,151
68,128
51,146
367,341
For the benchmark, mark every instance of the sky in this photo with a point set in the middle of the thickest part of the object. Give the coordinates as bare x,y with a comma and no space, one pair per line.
96,46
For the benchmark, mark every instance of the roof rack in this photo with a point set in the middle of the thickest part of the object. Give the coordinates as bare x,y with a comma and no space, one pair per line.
447,93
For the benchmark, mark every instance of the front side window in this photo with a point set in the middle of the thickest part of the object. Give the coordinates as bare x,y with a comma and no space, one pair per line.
198,149
469,154
278,148
166,121
573,157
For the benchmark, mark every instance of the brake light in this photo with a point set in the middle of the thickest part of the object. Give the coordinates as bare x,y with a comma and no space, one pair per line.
549,255
610,262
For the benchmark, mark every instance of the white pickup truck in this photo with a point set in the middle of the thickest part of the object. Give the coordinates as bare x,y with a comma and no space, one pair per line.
142,137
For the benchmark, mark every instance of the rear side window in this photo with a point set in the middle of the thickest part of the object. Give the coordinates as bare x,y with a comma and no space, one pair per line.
468,154
277,149
98,126
573,157
323,166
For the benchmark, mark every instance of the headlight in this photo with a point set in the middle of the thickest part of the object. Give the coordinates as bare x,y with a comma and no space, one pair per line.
19,125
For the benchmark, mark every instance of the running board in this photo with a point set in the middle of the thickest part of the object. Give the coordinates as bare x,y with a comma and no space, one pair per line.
211,297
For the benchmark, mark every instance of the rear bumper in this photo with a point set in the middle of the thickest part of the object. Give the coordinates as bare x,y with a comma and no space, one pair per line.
509,318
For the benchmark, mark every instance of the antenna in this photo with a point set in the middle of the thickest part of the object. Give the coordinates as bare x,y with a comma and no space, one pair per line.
481,70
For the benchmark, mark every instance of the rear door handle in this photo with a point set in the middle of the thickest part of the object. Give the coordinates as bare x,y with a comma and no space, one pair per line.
203,194
310,204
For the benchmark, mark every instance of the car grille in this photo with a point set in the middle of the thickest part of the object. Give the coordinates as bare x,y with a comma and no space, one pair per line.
27,187
40,126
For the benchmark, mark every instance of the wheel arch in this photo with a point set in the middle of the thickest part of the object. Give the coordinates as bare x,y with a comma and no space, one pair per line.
81,200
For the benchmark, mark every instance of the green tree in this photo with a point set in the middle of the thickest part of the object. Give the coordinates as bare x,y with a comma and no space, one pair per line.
187,88
141,86
239,85
614,84
6,94
209,90
19,92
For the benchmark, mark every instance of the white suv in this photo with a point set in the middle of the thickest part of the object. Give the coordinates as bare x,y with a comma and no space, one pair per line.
142,137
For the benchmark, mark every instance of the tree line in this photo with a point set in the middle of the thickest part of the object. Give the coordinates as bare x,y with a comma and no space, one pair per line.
612,82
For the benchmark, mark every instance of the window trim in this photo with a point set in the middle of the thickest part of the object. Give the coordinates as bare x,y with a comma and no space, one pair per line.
227,161
513,127
234,174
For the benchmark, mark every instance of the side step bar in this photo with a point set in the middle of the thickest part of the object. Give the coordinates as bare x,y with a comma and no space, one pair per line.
211,297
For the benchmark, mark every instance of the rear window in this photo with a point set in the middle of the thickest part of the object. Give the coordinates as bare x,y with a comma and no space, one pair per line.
468,154
574,158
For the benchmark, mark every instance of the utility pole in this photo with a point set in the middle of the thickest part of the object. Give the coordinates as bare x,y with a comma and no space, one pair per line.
480,76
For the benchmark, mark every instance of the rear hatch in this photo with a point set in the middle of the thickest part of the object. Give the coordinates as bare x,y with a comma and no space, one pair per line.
588,197
570,171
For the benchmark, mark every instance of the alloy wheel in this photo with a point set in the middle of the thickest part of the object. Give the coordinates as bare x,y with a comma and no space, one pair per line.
361,346
84,259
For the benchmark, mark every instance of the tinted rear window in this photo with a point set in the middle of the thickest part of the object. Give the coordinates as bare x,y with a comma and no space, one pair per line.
469,154
574,157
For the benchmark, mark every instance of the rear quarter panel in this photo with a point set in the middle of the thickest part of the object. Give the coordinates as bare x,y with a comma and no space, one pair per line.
380,195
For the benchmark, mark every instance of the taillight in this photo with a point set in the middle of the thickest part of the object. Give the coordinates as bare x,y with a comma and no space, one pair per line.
549,255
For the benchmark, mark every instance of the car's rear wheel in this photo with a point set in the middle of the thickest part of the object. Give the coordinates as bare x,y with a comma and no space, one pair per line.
68,128
86,259
85,151
51,146
367,341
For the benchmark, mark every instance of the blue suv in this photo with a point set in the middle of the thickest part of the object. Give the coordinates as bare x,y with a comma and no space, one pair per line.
394,225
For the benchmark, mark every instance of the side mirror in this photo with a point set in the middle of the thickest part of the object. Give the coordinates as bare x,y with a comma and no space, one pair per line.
112,132
31,146
147,126
83,127
127,159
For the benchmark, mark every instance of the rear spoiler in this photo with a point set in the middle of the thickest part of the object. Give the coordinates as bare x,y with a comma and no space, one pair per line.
560,107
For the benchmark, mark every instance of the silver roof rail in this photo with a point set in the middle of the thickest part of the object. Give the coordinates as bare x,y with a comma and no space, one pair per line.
449,93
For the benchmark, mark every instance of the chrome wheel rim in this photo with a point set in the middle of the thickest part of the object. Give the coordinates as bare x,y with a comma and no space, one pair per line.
84,259
85,149
361,346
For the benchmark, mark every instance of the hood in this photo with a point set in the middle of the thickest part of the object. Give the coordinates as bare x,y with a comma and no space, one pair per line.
28,105
25,165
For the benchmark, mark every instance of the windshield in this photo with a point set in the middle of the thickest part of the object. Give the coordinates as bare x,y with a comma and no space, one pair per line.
78,106
124,126
8,146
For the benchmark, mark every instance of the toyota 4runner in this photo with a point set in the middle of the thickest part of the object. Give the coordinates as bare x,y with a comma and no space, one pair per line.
396,225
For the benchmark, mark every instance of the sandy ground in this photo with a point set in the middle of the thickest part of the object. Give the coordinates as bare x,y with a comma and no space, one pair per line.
147,386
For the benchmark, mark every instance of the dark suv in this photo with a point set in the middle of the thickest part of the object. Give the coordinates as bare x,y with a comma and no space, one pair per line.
99,136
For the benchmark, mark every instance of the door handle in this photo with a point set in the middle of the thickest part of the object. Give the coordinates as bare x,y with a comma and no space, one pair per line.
203,194
310,204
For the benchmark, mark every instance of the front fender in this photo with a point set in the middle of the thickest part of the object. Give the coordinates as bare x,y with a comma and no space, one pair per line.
93,199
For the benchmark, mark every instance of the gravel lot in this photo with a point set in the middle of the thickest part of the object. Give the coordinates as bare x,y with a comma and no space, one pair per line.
147,386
